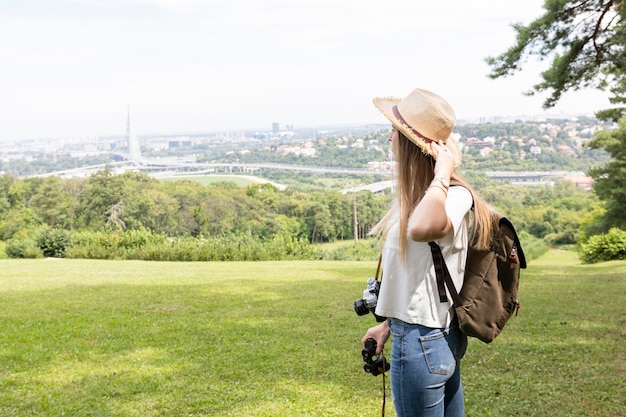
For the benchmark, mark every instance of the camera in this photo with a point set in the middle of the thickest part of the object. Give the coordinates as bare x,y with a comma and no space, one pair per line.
374,364
368,303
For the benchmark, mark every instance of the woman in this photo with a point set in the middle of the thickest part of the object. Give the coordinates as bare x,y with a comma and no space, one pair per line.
427,345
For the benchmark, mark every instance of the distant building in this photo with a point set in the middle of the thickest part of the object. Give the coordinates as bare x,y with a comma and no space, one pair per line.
541,177
485,151
566,149
477,143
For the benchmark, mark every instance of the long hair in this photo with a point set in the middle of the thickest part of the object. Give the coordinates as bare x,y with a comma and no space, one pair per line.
415,172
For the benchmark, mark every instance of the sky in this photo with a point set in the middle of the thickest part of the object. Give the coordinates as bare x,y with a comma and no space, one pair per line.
75,68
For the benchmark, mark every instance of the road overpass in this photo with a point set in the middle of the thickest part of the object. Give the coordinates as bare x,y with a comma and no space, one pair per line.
158,165
177,165
532,177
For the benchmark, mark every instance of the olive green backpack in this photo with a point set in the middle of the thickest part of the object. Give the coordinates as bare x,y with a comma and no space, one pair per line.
488,297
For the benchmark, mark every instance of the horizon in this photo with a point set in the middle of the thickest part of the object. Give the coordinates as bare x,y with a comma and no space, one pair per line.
477,120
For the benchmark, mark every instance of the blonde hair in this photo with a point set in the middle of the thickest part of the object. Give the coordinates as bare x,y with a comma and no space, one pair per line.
415,172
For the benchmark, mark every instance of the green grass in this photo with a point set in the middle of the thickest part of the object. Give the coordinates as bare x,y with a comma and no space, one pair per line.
565,354
339,244
239,180
131,338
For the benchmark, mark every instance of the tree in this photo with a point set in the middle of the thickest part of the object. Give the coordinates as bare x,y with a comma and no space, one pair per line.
188,195
6,182
610,179
318,218
586,40
146,205
50,202
102,191
72,187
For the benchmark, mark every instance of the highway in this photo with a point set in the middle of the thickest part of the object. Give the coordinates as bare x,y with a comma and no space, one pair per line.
157,165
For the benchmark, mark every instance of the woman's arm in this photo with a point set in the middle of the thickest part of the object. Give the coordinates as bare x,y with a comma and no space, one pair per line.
429,220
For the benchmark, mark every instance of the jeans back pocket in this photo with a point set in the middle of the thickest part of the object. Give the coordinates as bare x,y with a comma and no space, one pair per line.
439,357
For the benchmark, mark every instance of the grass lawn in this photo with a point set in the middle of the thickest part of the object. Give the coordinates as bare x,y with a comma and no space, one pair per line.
132,338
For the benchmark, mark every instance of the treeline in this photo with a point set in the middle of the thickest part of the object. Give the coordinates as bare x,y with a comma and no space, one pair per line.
133,201
129,215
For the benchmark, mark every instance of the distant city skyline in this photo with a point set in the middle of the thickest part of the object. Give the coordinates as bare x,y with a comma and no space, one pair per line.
73,68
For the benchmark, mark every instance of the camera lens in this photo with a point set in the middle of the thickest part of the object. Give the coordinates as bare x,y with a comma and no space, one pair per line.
360,307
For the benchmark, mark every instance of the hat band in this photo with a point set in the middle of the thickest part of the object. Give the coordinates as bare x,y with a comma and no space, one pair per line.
401,119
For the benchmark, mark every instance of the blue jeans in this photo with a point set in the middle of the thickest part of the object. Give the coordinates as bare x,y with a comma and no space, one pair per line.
425,370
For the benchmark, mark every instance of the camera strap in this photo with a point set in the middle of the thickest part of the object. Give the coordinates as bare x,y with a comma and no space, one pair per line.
384,388
380,259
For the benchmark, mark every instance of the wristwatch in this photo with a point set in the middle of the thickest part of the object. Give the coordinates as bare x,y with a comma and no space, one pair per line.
443,181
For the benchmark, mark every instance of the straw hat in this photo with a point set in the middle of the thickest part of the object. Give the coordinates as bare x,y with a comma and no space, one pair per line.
423,117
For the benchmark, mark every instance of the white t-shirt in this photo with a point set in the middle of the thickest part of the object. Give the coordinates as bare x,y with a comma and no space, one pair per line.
408,291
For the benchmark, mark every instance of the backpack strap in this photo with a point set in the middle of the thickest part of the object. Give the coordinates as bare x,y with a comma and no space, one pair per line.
443,276
440,267
517,249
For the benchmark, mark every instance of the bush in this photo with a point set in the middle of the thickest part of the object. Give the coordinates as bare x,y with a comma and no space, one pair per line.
23,248
606,247
53,243
368,250
150,246
112,245
533,246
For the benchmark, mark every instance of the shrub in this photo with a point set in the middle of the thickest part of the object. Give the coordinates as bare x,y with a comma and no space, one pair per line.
22,248
118,244
606,247
149,246
53,243
533,246
368,250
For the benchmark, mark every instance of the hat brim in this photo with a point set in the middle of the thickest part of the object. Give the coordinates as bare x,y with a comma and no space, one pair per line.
385,106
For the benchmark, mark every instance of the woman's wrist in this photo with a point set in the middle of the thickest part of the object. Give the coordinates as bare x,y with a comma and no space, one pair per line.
437,184
445,181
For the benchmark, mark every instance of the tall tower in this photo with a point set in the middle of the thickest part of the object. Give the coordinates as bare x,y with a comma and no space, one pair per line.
134,149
